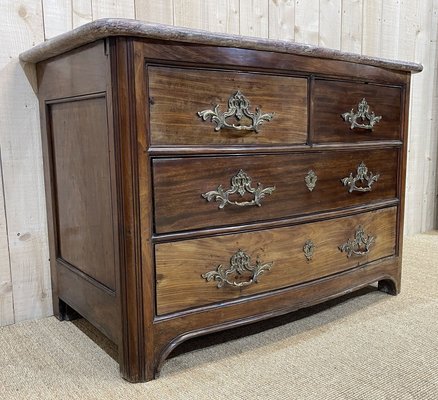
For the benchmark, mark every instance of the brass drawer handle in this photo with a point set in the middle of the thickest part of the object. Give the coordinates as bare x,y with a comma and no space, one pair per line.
362,114
240,263
359,245
240,183
238,106
362,176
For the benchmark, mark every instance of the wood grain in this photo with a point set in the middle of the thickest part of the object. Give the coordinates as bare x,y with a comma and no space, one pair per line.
21,26
307,21
171,332
90,61
179,183
328,124
282,19
155,11
177,95
330,23
6,295
57,17
179,265
352,20
82,12
198,56
83,183
254,18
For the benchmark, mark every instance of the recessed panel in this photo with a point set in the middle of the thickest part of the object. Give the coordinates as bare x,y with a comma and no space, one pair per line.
83,187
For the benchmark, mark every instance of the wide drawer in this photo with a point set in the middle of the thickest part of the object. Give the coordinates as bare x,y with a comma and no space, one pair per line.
252,108
197,272
355,112
201,192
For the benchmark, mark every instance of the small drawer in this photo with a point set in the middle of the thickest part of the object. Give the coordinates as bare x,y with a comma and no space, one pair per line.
202,192
206,107
355,112
197,272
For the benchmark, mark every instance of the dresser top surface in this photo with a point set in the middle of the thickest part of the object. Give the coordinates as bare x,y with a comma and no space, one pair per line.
110,27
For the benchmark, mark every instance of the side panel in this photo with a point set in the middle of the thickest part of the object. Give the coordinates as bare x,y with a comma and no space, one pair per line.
78,144
83,187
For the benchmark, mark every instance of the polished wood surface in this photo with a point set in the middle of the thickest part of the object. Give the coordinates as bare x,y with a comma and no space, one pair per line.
80,72
170,332
179,265
160,159
331,99
180,182
242,59
176,96
83,194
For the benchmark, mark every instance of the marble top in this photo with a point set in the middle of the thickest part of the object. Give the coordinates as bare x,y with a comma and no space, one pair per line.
107,27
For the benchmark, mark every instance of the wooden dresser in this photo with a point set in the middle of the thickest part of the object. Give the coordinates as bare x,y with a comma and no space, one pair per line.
197,182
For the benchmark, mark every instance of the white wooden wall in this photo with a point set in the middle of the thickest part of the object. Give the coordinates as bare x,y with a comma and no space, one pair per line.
399,29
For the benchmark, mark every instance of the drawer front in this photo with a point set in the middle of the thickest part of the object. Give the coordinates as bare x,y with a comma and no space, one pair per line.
197,272
201,192
340,112
183,108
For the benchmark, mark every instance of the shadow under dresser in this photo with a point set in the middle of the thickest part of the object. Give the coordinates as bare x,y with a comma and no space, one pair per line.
197,182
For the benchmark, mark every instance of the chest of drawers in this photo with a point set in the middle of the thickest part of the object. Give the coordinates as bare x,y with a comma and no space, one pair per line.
197,182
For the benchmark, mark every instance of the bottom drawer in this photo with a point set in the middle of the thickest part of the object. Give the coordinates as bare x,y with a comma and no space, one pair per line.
197,272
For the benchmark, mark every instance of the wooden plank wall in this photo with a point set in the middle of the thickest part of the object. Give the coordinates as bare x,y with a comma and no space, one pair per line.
400,29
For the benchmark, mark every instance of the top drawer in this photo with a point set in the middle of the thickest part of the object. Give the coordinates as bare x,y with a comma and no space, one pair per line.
239,103
340,112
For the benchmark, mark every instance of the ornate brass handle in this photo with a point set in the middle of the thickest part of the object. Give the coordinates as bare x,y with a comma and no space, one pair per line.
238,106
363,177
359,245
240,183
362,114
240,263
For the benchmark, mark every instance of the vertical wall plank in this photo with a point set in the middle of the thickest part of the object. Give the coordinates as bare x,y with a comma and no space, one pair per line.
408,26
282,19
187,13
113,9
211,15
421,123
372,27
154,11
390,29
6,295
57,17
429,213
307,21
254,18
351,34
81,12
21,27
330,23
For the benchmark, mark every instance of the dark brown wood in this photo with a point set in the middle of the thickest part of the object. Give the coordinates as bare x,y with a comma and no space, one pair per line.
79,72
104,28
123,158
180,265
180,182
132,362
172,331
176,95
332,99
190,54
99,306
83,182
